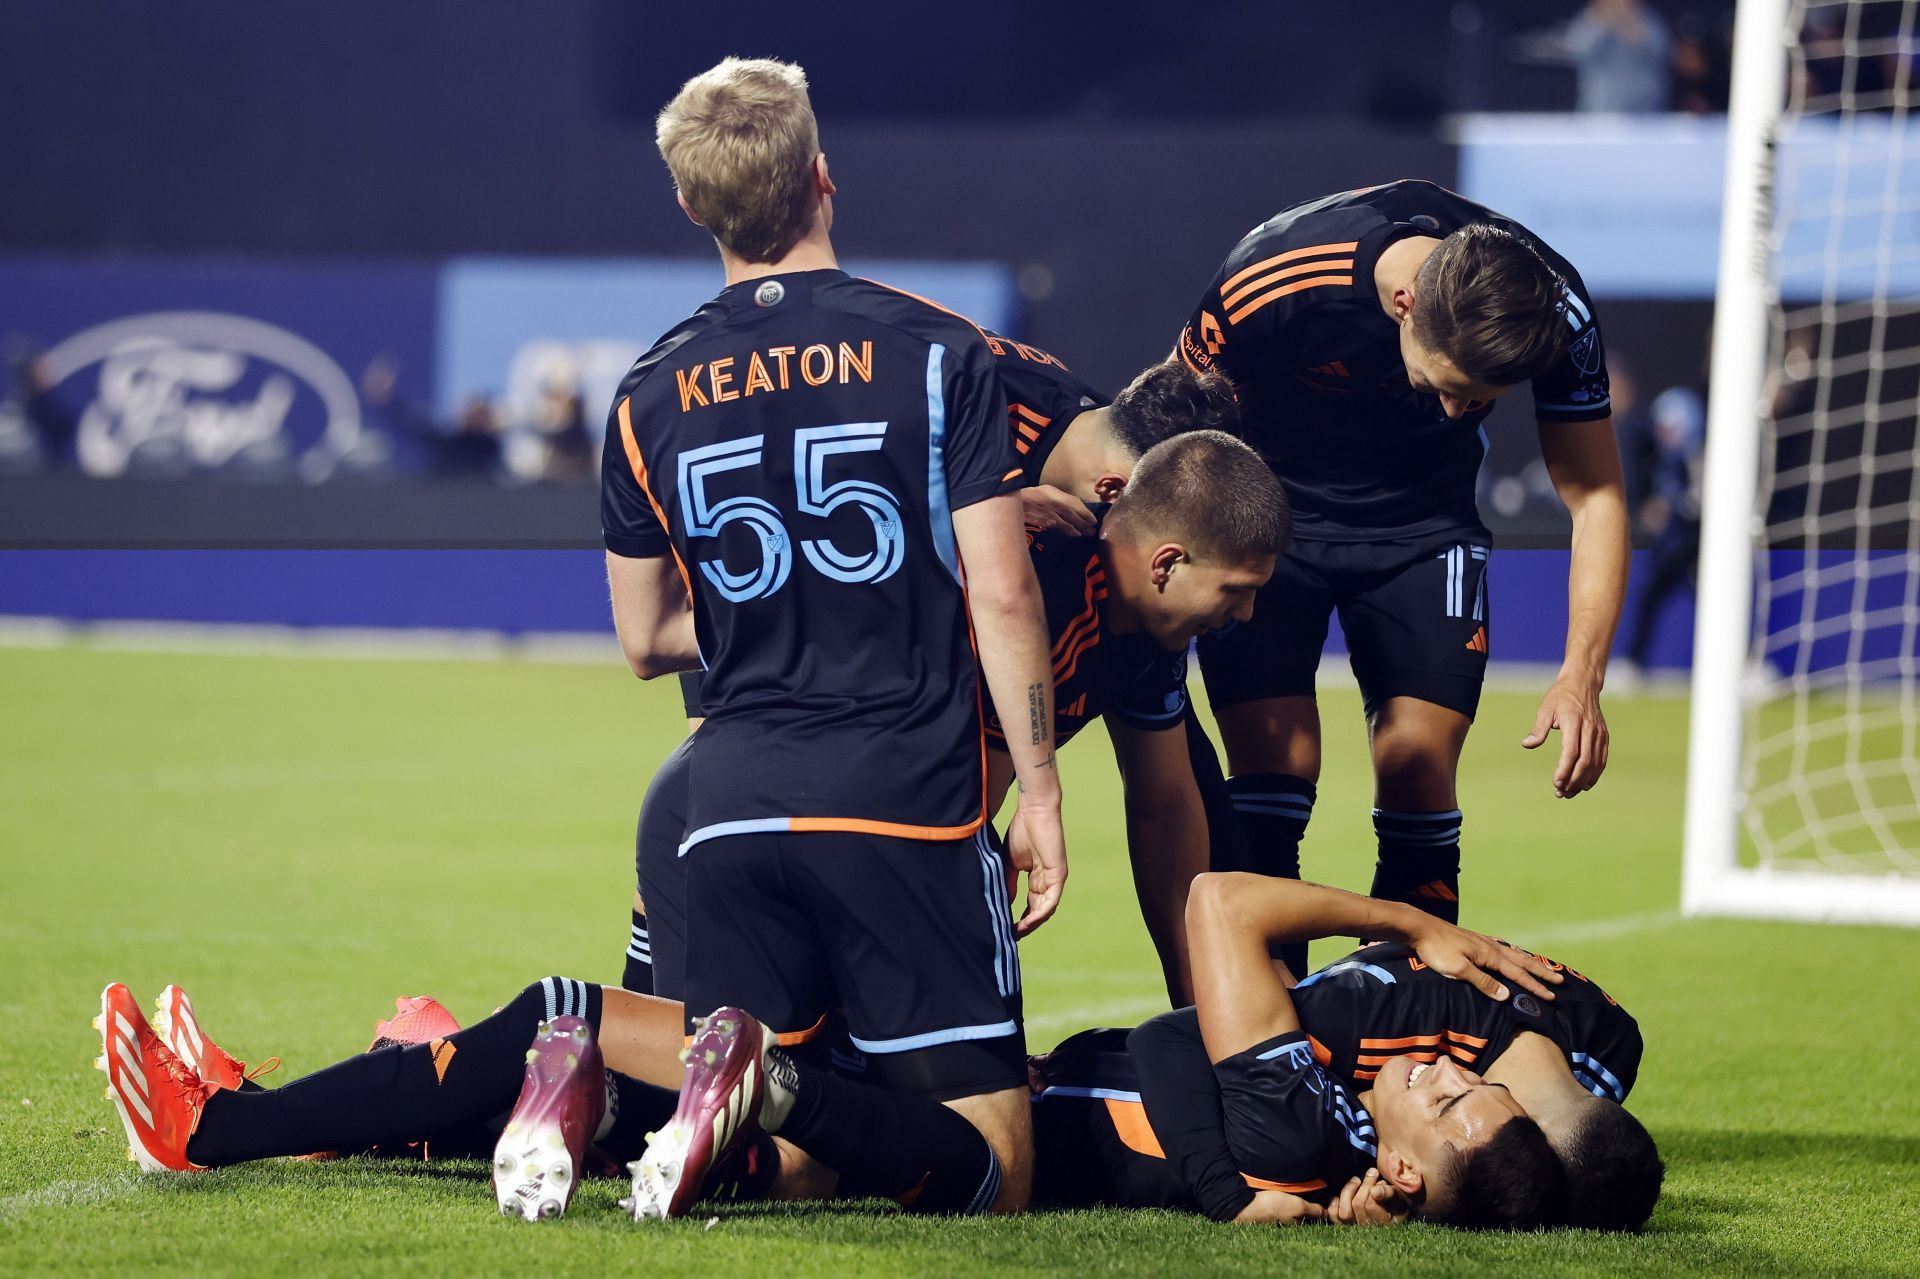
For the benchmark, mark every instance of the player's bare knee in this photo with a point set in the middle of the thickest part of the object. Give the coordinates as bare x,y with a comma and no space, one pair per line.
1272,735
1005,1119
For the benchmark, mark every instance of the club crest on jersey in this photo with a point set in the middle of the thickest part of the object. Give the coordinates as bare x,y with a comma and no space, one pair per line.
770,293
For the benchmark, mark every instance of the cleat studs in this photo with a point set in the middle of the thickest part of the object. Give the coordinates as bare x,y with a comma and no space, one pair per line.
560,1172
580,1033
108,1094
555,1140
724,1026
100,1063
650,1138
100,1022
509,1210
504,1164
544,1029
131,1157
573,1062
513,1126
533,1055
710,1056
685,1055
550,1208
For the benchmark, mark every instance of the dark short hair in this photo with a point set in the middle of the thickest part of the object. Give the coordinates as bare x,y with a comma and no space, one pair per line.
1168,398
1209,491
1513,1181
1489,302
1613,1170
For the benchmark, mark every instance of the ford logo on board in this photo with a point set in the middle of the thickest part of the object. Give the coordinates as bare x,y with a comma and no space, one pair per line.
181,391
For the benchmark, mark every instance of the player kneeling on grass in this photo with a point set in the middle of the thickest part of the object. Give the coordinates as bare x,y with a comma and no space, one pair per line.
1375,1089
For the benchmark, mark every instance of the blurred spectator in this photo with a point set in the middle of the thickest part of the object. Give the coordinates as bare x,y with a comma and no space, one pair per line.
1671,511
562,423
1701,76
1622,50
472,449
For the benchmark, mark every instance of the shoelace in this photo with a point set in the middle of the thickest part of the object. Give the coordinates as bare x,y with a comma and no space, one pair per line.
266,1067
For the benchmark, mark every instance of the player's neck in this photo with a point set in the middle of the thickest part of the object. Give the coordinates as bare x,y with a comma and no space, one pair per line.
1397,266
812,252
1082,454
1535,1071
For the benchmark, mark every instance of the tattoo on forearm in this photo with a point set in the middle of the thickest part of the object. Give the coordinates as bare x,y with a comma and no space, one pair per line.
1037,712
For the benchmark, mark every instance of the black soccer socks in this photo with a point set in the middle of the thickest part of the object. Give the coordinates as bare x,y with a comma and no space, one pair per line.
891,1145
402,1093
637,976
1273,810
1419,861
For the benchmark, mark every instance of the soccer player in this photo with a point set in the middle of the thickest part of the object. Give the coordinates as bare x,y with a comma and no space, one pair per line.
795,477
1471,1101
1369,334
1180,551
1076,450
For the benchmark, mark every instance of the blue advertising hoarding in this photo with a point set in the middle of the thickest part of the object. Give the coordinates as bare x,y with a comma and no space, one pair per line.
163,368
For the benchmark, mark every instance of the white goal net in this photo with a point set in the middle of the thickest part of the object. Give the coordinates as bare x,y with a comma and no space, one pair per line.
1804,786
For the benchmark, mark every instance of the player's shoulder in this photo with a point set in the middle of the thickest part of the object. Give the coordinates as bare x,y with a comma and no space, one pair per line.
908,314
1336,222
1067,565
640,377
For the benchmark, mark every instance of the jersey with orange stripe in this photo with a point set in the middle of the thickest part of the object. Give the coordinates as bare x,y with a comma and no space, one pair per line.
1293,317
1096,670
1043,399
1283,1114
1382,1002
799,446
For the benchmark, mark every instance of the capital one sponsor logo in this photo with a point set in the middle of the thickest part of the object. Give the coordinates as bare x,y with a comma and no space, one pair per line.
206,390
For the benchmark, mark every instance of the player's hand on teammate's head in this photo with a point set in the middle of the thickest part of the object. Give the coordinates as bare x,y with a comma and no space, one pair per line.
1369,1201
1037,844
1278,1208
1046,509
1479,960
1573,707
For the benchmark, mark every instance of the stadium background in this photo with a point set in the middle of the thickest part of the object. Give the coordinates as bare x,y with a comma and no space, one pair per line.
420,241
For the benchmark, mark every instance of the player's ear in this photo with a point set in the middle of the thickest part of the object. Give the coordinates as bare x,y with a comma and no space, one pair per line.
822,180
1403,299
687,209
1398,1171
1109,486
1165,556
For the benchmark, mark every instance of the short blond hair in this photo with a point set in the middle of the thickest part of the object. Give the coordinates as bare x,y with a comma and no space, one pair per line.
740,141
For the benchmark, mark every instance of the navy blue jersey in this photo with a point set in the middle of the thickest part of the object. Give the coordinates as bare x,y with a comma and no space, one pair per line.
1043,399
1382,1002
798,446
1096,671
1293,317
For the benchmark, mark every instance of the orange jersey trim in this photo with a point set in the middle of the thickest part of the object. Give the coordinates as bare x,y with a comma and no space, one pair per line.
638,466
899,830
992,343
1289,1187
1287,273
1285,289
1291,255
1131,1126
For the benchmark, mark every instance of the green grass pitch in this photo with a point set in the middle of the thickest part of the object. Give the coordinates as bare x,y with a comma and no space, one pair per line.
298,840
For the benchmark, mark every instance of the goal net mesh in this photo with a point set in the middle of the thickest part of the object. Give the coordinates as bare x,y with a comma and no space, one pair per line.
1830,772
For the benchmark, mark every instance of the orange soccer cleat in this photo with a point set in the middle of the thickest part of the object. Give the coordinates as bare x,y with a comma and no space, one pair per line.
174,1021
420,1019
159,1097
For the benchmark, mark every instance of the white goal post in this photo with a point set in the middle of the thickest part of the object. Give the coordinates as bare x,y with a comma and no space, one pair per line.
1803,781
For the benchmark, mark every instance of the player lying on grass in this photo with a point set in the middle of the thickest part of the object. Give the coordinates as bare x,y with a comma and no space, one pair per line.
187,1105
1076,450
1487,1101
1186,542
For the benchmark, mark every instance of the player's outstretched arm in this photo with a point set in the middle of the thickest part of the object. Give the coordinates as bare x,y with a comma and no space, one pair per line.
1167,839
1010,625
652,615
1243,1000
1584,462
